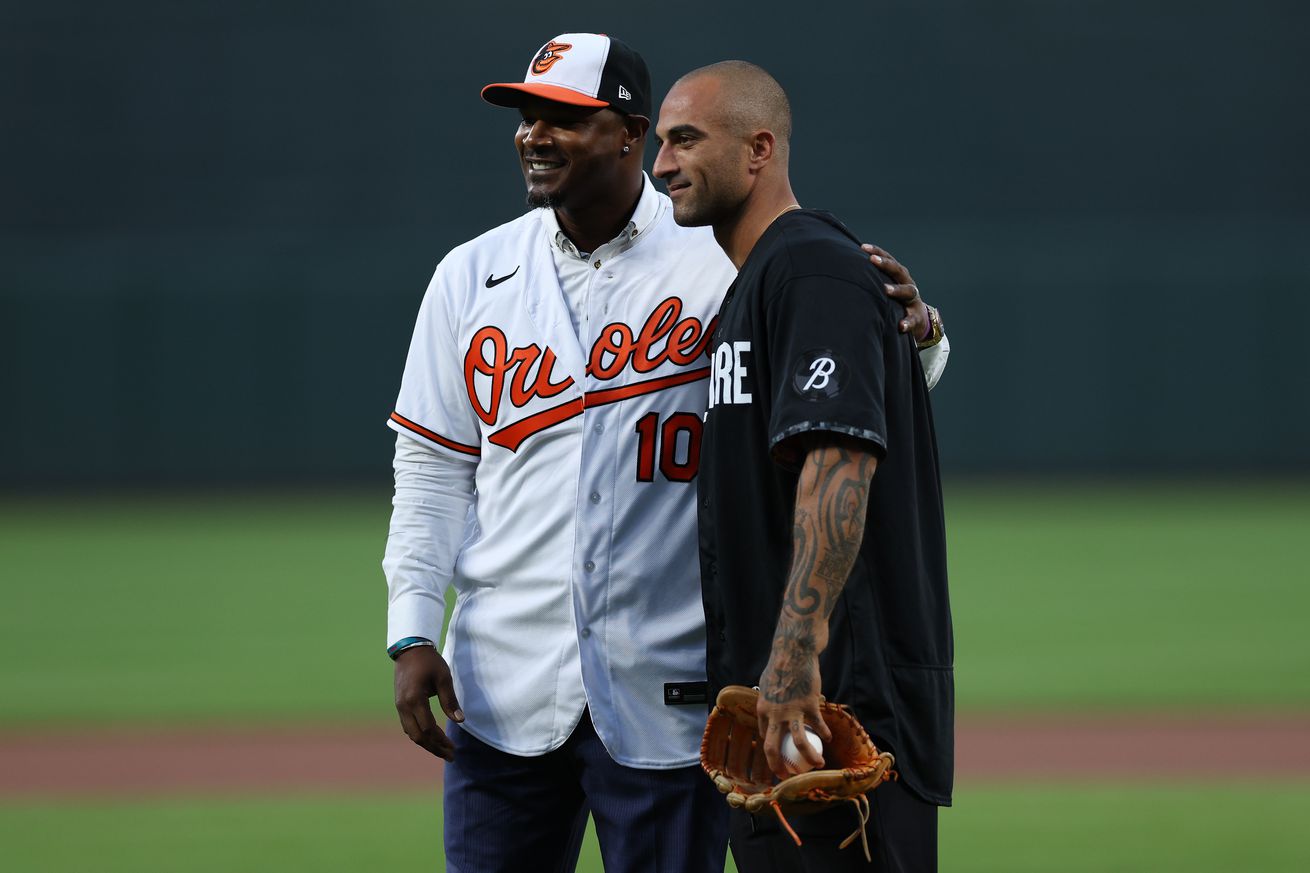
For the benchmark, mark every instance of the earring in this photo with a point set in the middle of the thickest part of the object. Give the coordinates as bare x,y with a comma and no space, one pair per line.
626,150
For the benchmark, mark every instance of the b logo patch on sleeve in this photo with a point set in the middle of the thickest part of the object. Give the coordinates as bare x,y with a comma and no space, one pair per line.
818,375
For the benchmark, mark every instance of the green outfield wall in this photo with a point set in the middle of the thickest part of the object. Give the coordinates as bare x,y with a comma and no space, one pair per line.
217,219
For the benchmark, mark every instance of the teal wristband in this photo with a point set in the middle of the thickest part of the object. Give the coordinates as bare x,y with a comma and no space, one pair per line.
399,646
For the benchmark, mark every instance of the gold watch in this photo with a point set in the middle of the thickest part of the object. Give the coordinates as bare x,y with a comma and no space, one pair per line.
935,321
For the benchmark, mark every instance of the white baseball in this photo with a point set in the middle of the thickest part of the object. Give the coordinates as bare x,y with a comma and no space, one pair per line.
791,755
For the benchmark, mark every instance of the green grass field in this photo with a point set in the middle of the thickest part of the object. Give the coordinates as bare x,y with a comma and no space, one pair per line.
1113,597
1063,829
271,607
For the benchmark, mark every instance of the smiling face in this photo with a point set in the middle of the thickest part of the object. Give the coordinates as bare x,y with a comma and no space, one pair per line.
702,158
570,155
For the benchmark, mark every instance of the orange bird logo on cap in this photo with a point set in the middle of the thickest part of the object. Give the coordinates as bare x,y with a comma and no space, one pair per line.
548,56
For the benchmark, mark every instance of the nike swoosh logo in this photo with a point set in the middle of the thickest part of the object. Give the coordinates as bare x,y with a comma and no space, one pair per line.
492,282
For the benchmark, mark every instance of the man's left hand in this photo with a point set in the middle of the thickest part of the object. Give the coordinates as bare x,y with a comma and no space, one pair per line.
789,700
903,291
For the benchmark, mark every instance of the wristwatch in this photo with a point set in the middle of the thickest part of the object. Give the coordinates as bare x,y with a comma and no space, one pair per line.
937,332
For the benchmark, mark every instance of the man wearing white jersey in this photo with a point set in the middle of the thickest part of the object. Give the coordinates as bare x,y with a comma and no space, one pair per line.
558,372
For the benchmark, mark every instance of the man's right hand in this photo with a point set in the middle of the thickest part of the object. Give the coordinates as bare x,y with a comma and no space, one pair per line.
421,673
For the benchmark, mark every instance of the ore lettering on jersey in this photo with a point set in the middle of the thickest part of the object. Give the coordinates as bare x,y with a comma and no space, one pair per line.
730,374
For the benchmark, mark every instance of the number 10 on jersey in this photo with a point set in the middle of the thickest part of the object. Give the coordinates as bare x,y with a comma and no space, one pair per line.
676,444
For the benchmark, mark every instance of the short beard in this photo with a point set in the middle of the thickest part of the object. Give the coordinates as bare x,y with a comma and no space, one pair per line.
542,201
688,218
706,214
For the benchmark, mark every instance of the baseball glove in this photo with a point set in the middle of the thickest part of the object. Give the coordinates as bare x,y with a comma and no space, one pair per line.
732,754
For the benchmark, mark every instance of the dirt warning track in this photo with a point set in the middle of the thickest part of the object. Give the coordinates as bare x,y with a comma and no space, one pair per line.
146,762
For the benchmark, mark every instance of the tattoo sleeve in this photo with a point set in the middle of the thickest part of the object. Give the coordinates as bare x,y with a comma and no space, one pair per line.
832,498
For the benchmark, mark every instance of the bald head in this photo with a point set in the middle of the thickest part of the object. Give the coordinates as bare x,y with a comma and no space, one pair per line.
749,99
723,132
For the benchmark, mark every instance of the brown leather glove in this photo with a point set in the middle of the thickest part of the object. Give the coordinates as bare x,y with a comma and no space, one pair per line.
732,754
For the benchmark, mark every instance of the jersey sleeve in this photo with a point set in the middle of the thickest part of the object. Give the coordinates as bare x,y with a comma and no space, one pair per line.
933,360
429,516
433,406
825,353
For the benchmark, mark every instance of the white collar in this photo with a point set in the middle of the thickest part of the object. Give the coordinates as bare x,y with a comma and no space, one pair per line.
648,208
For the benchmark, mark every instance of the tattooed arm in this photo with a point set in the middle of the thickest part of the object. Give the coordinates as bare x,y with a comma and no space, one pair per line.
831,498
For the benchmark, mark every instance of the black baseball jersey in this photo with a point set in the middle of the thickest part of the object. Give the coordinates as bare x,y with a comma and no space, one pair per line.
807,342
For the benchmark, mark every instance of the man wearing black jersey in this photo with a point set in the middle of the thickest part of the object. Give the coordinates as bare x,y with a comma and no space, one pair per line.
819,578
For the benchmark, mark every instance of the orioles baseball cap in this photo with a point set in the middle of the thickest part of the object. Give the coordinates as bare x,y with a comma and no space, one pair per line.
582,69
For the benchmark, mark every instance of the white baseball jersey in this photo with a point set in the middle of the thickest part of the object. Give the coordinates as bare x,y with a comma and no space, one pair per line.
578,584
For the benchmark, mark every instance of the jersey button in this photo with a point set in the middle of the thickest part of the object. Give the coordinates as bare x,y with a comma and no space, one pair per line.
586,632
589,566
595,497
599,428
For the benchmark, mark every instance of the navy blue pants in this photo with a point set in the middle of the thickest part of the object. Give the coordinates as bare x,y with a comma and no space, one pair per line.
509,814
